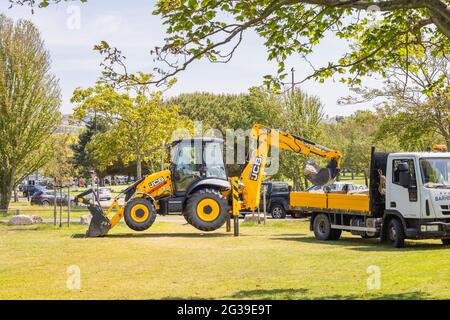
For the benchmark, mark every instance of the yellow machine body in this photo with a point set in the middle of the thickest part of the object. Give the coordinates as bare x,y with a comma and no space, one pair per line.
243,193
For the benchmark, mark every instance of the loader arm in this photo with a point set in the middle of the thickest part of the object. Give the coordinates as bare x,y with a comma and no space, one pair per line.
252,175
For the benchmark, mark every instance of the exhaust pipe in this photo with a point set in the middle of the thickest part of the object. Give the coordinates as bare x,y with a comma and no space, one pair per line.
319,176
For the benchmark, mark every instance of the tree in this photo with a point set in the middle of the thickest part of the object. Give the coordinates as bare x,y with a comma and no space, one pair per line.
229,111
302,115
214,29
59,165
29,103
354,136
415,104
137,124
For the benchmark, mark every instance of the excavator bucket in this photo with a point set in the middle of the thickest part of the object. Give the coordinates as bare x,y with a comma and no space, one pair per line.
99,225
319,176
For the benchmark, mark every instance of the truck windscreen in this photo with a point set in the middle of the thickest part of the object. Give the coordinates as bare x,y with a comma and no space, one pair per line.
435,172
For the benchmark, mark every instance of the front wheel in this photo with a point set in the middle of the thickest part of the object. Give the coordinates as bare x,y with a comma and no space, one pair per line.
396,235
277,211
139,214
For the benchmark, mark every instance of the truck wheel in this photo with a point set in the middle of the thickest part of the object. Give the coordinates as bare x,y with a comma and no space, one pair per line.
139,214
446,242
277,211
322,229
395,233
206,210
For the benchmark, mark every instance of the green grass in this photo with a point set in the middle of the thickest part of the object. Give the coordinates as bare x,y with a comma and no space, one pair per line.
173,260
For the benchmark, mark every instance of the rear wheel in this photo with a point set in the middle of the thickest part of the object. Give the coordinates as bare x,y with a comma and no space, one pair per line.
206,210
139,214
277,211
322,229
395,233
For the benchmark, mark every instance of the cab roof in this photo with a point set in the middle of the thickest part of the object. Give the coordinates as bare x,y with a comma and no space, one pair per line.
421,154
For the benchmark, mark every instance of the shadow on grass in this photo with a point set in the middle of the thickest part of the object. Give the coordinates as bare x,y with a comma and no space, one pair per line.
160,235
269,294
359,244
302,294
415,295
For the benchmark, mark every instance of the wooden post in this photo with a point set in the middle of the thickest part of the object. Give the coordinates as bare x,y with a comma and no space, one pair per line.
68,205
60,207
265,205
54,206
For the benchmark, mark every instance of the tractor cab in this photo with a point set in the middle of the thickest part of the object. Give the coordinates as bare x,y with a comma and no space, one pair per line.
196,159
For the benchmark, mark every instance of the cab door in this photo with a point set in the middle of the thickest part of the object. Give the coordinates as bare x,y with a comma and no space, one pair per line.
402,194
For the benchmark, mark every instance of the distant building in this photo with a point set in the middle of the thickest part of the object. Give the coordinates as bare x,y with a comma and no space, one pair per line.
69,126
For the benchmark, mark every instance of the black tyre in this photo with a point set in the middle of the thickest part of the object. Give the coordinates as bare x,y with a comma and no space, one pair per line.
322,229
395,233
206,210
46,203
335,234
446,242
277,211
139,214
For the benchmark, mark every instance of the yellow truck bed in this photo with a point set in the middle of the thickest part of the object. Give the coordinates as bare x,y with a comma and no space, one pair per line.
330,201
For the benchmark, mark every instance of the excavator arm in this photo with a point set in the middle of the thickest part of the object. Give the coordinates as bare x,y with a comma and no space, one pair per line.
252,175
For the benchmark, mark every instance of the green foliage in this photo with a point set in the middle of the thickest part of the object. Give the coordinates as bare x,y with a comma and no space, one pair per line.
137,124
354,136
59,165
29,103
302,115
213,29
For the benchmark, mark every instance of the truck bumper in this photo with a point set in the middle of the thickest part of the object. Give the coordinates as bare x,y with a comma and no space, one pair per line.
428,230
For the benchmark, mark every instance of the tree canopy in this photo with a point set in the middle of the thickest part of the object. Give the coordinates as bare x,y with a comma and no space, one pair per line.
214,29
29,103
137,124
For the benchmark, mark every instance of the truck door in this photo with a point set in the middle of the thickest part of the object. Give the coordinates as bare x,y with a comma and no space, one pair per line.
403,195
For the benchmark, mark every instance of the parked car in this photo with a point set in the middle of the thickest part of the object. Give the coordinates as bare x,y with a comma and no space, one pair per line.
277,199
32,189
104,194
337,187
47,198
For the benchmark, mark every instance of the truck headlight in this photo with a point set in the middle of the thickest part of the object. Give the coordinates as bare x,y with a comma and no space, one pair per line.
429,228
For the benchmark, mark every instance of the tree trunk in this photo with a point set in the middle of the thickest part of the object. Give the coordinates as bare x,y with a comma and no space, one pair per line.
139,167
6,188
366,179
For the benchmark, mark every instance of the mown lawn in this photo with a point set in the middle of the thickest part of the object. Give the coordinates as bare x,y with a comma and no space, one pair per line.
173,260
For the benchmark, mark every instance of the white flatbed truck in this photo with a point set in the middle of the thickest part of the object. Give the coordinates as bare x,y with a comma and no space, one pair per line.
409,198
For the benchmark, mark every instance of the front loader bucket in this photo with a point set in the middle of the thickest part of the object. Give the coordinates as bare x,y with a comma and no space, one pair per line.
321,176
99,225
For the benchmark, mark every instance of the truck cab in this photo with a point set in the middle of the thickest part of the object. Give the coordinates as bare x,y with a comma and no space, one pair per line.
418,193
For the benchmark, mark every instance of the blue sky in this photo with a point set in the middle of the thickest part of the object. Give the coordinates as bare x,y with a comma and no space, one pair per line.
130,26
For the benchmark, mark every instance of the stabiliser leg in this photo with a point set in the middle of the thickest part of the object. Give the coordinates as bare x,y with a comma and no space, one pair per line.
236,226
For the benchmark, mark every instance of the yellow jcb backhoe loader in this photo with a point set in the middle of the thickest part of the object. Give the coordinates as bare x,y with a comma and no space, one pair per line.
198,180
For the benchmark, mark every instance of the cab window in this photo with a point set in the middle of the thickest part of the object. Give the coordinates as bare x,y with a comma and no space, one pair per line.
396,171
